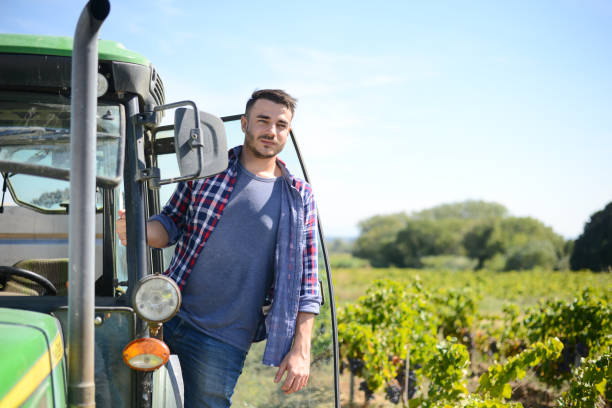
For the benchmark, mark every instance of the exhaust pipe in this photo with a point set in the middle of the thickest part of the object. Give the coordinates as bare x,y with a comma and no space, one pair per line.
81,272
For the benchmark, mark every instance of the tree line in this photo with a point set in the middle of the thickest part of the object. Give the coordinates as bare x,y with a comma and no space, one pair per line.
485,234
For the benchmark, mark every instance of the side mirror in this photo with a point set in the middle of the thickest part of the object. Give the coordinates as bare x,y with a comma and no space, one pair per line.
200,143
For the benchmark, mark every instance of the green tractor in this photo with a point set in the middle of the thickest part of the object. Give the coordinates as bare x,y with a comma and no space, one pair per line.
81,136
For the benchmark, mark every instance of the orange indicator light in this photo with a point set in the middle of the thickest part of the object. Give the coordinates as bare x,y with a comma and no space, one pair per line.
146,354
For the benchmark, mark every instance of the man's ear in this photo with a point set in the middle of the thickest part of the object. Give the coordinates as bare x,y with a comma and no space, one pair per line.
243,123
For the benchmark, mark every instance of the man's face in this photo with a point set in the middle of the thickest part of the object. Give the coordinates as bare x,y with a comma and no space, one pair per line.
266,128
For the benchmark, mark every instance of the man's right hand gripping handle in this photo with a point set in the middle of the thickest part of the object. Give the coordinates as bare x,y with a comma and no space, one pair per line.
157,236
120,227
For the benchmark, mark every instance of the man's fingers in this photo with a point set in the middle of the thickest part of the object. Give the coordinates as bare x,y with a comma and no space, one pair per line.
299,382
304,382
281,369
296,385
289,382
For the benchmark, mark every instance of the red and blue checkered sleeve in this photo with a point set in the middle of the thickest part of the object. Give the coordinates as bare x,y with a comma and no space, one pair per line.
178,205
310,297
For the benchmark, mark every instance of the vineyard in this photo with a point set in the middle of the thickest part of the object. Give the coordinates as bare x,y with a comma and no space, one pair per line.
424,338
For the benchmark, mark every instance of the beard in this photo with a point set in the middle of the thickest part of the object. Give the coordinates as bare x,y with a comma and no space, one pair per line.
258,149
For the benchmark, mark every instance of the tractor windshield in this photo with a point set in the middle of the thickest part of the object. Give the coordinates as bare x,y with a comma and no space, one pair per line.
35,136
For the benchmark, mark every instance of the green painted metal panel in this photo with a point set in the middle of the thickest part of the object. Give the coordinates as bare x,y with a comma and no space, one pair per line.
30,342
42,397
20,347
62,46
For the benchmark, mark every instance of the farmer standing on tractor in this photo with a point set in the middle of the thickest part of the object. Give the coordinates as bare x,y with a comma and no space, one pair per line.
256,276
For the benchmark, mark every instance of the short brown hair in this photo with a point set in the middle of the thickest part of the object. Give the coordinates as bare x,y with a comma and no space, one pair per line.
275,95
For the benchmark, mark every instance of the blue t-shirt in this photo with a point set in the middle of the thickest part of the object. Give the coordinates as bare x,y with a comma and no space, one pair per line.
227,287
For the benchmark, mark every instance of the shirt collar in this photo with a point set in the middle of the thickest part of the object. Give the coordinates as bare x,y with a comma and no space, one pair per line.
234,155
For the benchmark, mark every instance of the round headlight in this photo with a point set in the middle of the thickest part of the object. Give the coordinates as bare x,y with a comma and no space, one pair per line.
156,298
102,85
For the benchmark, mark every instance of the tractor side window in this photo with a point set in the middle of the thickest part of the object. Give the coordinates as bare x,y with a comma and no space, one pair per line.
43,194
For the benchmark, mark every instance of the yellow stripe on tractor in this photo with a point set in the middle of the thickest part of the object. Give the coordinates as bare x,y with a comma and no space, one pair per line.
35,376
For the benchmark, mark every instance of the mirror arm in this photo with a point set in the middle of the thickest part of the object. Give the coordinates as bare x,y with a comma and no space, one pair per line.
151,175
150,117
178,105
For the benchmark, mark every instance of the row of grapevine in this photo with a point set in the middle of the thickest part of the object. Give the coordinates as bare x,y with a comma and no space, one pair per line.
418,346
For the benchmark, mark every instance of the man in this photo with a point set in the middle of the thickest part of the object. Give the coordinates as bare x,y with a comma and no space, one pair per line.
244,237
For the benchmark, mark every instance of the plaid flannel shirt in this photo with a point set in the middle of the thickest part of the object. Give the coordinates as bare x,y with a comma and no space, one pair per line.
192,213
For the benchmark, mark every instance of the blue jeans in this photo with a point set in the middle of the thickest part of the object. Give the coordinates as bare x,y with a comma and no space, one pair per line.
210,367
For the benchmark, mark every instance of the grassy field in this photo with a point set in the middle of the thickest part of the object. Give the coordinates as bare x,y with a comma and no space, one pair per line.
494,289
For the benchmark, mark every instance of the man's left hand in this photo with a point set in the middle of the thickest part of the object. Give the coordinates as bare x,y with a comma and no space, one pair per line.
297,365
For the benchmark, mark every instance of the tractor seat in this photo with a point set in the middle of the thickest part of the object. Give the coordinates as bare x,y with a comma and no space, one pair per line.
55,270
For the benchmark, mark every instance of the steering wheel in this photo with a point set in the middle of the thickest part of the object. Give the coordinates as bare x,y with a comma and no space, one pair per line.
7,271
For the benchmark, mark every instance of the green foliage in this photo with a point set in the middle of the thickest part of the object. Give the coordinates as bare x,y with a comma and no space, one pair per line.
424,237
456,309
448,262
390,319
520,243
591,384
534,254
495,382
475,401
468,210
376,238
514,333
401,240
546,339
483,242
341,260
584,325
321,336
481,230
339,245
447,371
528,243
593,248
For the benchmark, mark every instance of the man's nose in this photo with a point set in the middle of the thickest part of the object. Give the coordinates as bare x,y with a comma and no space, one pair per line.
272,131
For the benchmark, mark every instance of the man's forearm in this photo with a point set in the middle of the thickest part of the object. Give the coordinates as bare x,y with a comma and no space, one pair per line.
157,236
297,361
303,333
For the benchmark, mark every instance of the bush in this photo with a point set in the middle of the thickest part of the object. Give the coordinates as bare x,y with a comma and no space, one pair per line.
534,254
593,249
346,261
449,262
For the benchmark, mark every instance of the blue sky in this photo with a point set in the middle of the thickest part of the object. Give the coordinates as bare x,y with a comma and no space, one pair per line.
402,105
